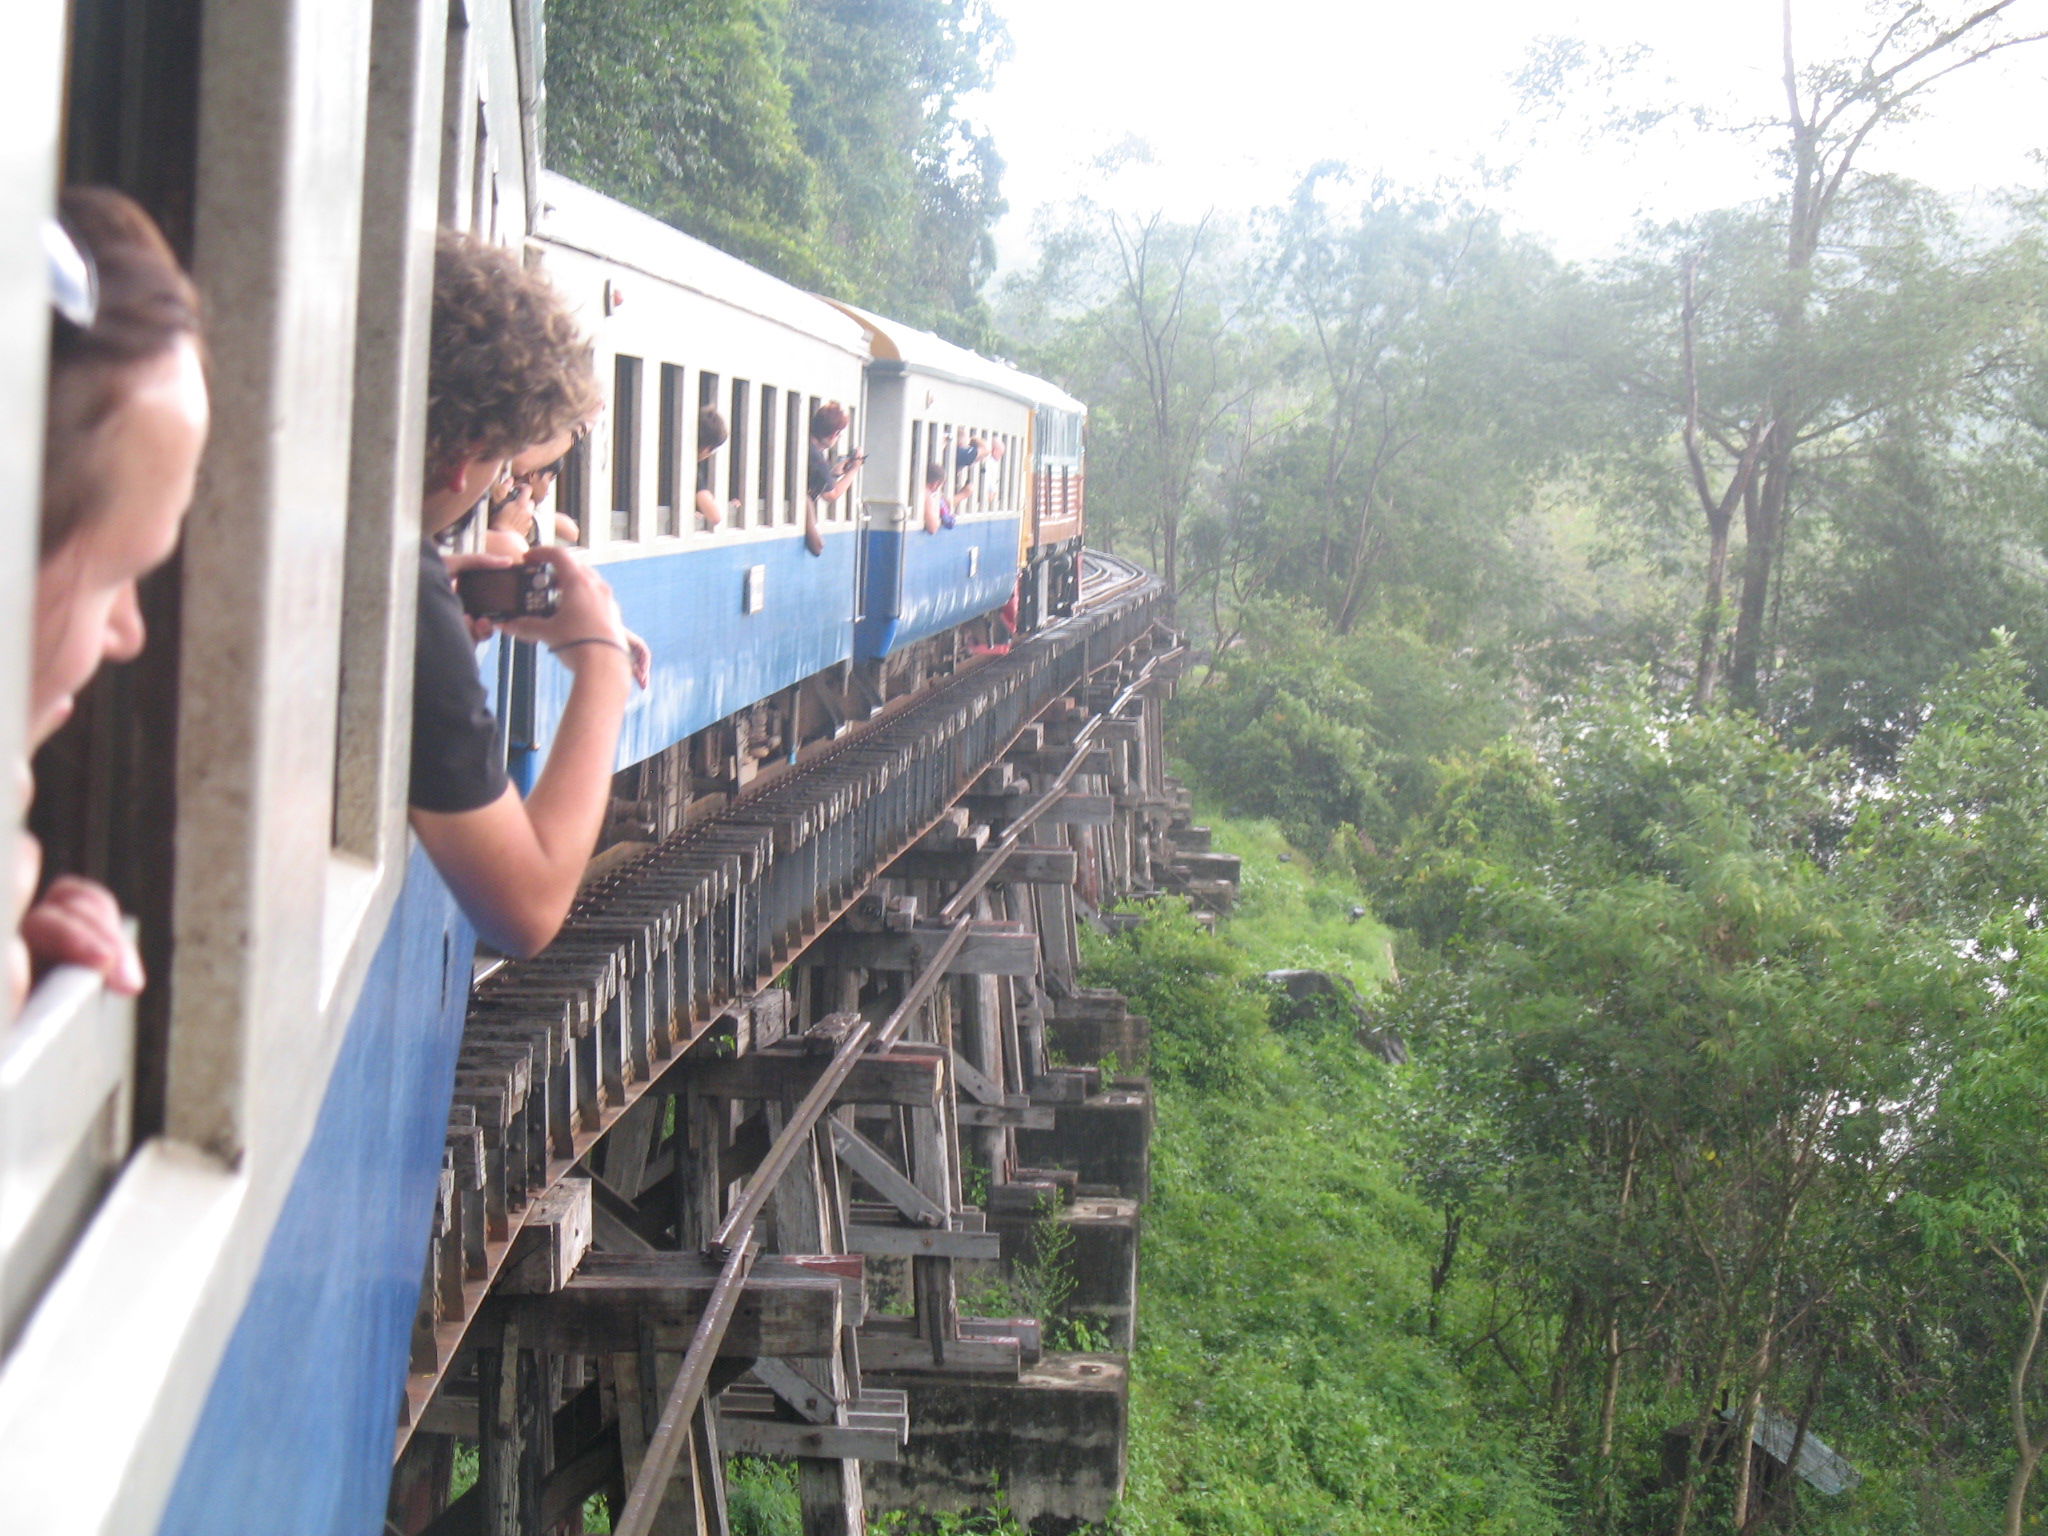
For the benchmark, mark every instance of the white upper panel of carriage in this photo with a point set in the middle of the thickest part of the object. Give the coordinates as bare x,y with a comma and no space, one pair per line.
574,217
922,352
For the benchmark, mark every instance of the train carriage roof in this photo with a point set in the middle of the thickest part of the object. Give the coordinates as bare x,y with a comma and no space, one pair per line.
574,216
891,341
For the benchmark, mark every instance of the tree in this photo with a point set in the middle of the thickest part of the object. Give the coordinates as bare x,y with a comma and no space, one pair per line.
1695,1056
1426,413
1793,281
1152,323
821,139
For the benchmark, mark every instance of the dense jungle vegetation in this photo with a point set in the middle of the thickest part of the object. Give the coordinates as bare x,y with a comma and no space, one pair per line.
1658,647
818,139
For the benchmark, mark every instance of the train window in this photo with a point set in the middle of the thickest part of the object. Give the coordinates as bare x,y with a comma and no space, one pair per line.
671,487
708,469
764,487
916,476
736,420
572,488
625,446
810,416
793,463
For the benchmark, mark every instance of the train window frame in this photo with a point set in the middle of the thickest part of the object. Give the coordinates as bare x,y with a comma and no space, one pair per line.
764,487
738,425
673,488
793,462
628,377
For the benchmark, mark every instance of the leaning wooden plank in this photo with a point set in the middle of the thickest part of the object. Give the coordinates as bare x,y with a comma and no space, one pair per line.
872,1164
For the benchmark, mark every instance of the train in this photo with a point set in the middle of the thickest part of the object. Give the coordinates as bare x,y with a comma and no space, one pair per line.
217,1200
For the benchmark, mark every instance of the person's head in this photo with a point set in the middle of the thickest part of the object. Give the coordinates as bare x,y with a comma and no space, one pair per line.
828,421
711,432
507,370
121,442
536,468
934,476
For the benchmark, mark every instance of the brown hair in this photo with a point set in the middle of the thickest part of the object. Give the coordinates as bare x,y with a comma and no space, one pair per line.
711,429
934,473
506,365
146,307
828,418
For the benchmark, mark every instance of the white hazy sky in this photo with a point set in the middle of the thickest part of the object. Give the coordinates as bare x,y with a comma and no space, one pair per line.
1235,101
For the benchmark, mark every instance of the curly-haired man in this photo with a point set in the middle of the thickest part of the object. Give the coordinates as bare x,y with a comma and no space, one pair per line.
507,370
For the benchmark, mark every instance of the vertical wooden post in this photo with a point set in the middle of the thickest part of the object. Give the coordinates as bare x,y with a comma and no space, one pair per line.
514,1430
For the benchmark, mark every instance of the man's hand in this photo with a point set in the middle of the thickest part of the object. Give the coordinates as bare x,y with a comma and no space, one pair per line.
587,610
480,630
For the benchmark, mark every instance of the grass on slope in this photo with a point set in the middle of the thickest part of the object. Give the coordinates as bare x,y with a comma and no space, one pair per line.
1283,1381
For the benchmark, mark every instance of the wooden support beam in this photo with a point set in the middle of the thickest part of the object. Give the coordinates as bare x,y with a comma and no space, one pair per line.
551,1244
1027,866
976,1083
811,1402
898,1351
1020,1116
745,1436
900,1076
616,1299
990,950
922,1243
890,1182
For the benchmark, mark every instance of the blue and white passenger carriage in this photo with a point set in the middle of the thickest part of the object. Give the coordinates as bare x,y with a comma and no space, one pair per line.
216,1206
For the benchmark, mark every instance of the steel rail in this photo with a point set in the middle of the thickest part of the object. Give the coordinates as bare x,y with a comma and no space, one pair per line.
811,1109
671,1432
733,1247
1013,836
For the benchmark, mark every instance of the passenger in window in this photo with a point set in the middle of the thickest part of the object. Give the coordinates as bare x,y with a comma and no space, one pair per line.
938,510
127,418
711,435
507,371
829,476
516,500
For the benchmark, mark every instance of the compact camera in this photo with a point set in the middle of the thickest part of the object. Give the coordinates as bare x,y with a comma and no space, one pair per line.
509,592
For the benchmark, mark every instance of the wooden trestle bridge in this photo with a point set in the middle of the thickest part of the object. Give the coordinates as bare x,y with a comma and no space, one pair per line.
705,1185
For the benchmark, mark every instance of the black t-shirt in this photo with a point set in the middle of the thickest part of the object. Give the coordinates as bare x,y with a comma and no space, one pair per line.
822,474
457,764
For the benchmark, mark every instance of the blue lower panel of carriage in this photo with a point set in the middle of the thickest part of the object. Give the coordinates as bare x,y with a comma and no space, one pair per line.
728,624
298,1427
921,584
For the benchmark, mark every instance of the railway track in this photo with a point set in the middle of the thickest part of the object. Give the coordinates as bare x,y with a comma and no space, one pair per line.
557,1050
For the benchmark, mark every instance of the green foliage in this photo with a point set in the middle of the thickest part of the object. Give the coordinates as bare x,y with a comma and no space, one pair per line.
1319,731
1208,1021
761,1498
820,139
1283,1382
